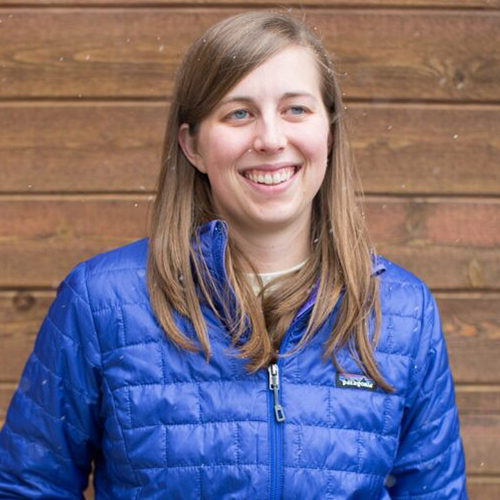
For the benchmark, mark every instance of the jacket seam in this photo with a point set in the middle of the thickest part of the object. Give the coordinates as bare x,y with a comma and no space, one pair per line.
64,381
205,466
186,424
120,430
329,469
112,399
420,463
431,422
71,339
114,270
53,417
37,443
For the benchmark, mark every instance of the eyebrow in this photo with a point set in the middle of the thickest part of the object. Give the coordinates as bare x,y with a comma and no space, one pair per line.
287,95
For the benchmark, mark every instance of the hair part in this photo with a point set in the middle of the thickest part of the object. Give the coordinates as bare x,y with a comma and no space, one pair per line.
341,251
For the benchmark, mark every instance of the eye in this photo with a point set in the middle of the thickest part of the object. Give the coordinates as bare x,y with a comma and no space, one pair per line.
296,110
239,114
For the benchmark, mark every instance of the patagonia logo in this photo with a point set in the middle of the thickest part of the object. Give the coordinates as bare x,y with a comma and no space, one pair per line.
355,381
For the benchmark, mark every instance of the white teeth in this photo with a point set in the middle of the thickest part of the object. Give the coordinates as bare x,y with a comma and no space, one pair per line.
271,178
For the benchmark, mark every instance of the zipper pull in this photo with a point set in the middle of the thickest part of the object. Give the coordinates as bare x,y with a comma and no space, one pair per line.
274,385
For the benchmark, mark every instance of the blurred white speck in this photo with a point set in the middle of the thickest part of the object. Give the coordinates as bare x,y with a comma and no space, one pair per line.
384,207
460,85
61,59
158,37
389,127
44,382
142,188
79,95
87,57
161,48
455,136
135,204
481,464
128,40
30,186
121,357
63,418
443,80
204,40
403,185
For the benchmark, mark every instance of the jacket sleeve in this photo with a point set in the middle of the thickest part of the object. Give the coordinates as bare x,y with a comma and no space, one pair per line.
52,428
430,461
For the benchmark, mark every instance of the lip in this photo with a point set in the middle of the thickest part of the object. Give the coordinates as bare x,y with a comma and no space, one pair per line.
271,167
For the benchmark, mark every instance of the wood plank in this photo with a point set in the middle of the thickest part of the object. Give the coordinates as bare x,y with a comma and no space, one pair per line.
427,149
483,488
386,55
452,4
472,327
471,324
481,443
21,315
475,399
109,146
451,244
58,147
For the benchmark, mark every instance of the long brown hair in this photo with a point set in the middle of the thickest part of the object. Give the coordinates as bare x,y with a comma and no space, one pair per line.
341,251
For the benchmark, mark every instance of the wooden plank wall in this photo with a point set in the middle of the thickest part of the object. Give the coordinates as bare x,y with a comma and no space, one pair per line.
84,88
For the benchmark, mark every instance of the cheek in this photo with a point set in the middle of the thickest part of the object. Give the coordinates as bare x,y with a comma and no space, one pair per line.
225,149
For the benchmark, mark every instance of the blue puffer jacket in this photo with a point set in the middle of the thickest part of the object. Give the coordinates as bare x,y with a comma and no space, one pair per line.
103,383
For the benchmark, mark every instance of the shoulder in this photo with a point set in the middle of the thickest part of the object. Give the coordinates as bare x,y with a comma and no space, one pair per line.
401,291
114,276
407,307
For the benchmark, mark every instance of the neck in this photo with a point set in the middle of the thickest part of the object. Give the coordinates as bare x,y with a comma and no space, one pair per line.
277,250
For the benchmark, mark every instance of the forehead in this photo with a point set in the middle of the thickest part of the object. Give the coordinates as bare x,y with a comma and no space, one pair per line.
292,70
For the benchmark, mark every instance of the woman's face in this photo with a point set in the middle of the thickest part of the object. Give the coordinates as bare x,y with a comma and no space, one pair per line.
265,146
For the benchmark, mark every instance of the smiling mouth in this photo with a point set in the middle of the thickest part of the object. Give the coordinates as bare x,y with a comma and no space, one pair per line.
271,178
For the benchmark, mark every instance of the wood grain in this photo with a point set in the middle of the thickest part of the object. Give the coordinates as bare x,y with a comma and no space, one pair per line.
426,55
103,147
452,4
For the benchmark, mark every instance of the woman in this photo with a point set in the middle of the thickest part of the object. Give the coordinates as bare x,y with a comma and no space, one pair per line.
253,346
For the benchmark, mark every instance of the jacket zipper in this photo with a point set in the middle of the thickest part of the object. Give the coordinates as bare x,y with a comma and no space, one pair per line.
276,431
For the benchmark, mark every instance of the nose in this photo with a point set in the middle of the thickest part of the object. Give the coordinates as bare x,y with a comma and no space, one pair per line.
269,136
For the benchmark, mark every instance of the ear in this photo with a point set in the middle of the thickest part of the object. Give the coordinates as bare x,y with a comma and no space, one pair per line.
187,142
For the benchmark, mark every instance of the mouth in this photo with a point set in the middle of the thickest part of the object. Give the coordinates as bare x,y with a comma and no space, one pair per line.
271,178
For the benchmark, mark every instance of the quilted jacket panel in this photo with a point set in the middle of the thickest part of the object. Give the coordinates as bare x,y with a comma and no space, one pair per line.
104,384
